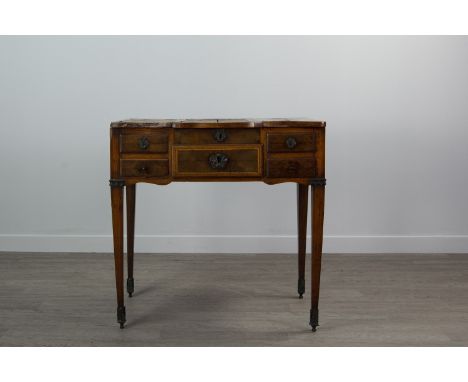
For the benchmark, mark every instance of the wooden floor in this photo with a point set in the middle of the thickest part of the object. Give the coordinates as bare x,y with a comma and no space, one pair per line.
234,300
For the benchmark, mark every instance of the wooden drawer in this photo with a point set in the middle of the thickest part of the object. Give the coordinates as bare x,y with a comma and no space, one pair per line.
149,141
216,136
287,142
291,167
217,161
144,168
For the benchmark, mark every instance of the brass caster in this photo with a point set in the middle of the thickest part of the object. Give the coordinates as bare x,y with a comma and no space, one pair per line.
314,319
300,286
130,286
121,319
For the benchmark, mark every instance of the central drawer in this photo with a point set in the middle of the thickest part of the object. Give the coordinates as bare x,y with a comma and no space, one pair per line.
217,161
216,136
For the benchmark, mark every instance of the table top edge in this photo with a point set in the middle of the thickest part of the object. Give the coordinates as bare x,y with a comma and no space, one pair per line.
216,123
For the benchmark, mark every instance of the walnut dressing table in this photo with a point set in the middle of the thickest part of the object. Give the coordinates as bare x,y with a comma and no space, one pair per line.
270,151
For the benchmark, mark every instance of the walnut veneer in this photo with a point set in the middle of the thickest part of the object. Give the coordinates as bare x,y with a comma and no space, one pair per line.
272,151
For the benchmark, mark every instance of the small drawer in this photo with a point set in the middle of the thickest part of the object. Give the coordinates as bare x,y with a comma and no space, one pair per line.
144,142
291,168
297,142
216,136
144,168
221,161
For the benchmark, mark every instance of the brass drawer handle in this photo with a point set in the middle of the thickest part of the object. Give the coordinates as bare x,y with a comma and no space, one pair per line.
143,143
220,135
218,160
143,170
290,143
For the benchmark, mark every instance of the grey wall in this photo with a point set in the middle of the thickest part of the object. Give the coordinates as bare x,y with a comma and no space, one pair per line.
397,139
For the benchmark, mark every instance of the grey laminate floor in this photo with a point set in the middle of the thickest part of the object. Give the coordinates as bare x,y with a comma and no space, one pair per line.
234,300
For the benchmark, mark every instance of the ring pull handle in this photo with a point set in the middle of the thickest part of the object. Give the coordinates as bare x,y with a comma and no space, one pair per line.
220,135
290,142
218,161
143,143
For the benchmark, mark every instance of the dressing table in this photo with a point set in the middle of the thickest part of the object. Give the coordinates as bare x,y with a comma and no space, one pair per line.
217,150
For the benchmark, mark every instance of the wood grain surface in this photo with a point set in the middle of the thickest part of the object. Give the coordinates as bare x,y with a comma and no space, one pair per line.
213,150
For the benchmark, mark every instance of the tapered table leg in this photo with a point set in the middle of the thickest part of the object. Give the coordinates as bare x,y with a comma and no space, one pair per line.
302,197
130,197
117,225
318,201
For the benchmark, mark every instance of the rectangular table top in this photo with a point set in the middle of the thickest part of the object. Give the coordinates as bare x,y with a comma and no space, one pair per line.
217,123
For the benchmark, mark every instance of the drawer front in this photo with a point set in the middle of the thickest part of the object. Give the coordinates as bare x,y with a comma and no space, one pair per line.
291,142
144,168
144,142
291,168
221,161
216,136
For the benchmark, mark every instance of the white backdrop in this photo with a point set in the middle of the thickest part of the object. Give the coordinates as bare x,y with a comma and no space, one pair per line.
397,139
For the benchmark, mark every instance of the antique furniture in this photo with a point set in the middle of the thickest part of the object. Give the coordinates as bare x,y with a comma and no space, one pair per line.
271,151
